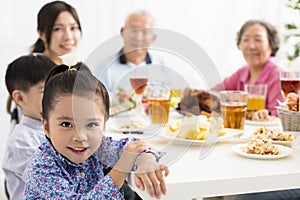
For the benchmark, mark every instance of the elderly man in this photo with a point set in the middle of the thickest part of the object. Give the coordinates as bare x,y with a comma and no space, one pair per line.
138,35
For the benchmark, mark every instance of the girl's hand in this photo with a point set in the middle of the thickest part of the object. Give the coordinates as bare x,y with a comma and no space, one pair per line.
136,147
128,157
150,175
126,162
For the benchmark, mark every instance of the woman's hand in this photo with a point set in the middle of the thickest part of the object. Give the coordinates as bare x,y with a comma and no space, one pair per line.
150,175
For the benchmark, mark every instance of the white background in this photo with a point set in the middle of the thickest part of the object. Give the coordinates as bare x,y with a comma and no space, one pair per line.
211,24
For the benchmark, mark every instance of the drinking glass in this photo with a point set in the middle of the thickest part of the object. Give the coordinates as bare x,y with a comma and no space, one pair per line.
159,103
233,108
290,82
139,84
257,94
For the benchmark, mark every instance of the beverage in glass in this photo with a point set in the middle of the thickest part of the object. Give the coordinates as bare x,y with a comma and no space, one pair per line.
159,110
257,94
290,82
233,108
159,104
139,84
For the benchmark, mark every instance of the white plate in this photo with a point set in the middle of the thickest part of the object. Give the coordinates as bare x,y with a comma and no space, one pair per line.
246,137
229,133
130,129
285,151
273,122
284,143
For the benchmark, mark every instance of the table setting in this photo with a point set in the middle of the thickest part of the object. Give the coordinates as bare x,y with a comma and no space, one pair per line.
201,158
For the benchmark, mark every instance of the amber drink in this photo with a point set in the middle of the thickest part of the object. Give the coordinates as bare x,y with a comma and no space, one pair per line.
288,86
289,82
159,110
234,115
159,98
233,108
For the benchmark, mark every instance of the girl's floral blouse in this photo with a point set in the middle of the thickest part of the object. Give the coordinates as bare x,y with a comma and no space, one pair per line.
51,176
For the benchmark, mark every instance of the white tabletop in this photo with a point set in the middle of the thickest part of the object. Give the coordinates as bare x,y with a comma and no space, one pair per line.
221,172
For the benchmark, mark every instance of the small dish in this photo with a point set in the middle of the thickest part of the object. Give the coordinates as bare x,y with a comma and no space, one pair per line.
273,122
246,137
284,152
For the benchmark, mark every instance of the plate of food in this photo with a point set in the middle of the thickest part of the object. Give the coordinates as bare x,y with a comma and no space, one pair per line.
272,122
224,134
275,136
197,130
270,151
261,118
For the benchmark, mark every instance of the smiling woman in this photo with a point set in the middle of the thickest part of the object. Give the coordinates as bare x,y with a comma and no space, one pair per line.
59,30
259,43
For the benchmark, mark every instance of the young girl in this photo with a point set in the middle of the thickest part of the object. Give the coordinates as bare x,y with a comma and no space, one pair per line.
69,163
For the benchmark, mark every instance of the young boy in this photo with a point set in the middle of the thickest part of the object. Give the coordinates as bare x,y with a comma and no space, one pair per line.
25,79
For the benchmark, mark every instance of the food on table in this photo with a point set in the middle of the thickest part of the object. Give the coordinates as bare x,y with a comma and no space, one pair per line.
193,131
272,134
292,101
212,114
194,101
261,146
135,123
259,115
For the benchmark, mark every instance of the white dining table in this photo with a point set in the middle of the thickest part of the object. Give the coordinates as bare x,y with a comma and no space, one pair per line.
220,171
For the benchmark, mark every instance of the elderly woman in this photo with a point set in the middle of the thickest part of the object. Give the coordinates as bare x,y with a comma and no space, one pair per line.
259,42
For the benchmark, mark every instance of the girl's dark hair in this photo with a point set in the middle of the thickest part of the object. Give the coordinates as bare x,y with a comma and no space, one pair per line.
76,80
46,19
25,72
271,31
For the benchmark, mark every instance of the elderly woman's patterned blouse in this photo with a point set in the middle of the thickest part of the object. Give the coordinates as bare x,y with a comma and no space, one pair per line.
51,176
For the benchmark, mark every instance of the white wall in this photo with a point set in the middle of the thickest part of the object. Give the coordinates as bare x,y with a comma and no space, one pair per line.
211,24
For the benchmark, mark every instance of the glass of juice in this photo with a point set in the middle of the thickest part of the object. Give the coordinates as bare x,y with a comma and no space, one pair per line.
257,94
159,97
233,108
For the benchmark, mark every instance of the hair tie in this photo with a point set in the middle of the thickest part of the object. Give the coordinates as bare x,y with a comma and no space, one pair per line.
72,69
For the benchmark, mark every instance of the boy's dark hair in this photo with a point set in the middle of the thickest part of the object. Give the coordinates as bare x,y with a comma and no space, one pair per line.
25,72
46,19
76,80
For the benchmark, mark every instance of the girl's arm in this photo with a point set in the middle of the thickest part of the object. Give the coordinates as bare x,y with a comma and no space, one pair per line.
126,162
110,150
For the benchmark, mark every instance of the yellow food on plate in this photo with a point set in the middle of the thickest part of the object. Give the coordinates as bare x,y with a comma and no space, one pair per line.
195,128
